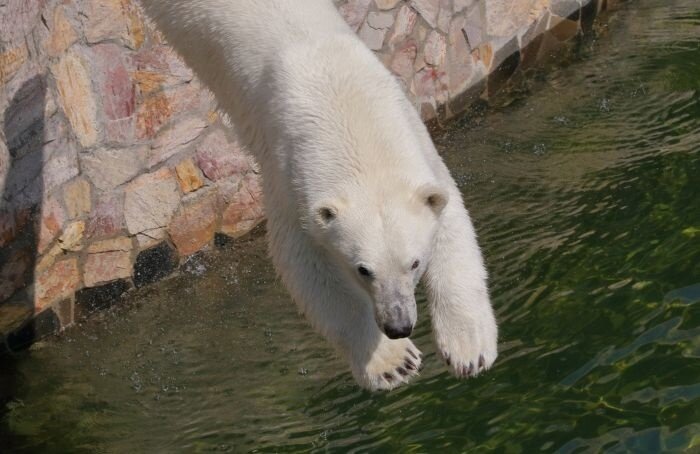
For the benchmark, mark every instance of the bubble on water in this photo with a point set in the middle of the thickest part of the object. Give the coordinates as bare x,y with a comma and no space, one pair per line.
561,120
604,105
303,371
136,384
539,149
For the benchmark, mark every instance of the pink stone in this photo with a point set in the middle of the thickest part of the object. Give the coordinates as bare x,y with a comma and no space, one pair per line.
444,16
108,168
245,209
194,225
375,29
459,61
354,12
115,86
434,49
57,282
76,96
107,261
107,218
403,60
53,218
150,201
175,139
428,9
159,67
403,26
60,160
218,158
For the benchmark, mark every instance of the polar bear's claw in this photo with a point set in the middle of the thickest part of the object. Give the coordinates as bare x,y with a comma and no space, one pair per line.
468,357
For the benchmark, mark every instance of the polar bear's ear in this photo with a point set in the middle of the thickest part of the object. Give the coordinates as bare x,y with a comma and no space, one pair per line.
434,197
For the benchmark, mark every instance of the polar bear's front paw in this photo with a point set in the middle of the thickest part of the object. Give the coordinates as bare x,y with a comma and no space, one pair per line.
469,347
391,364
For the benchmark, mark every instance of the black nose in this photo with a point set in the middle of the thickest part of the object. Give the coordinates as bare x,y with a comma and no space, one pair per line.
393,332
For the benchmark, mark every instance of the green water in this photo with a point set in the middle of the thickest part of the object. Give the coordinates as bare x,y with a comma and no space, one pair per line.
584,191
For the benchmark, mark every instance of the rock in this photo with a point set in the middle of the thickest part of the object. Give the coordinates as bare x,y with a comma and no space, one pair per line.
77,198
157,110
152,114
459,61
244,210
60,163
108,168
503,18
375,29
175,139
113,19
434,49
428,9
108,261
444,16
154,264
11,60
23,121
218,158
76,96
354,12
63,34
386,4
473,29
188,176
13,316
403,25
15,272
56,283
403,60
89,300
460,5
150,201
107,219
151,237
159,67
72,237
194,225
114,84
53,217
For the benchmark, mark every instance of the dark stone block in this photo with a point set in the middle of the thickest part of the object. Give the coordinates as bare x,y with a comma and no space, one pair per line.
44,324
588,15
468,98
223,241
567,8
509,57
154,264
94,299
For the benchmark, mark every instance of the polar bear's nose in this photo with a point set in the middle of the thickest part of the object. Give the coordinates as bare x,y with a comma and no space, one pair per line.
394,332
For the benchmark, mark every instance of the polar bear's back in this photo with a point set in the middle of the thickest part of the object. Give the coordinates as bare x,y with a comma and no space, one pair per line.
215,36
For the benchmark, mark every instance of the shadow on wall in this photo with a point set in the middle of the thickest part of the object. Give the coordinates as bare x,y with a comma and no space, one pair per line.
22,188
22,191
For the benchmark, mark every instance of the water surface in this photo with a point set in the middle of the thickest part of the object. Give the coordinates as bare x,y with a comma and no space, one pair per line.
584,190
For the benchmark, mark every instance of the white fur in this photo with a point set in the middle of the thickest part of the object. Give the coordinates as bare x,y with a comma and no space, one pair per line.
350,177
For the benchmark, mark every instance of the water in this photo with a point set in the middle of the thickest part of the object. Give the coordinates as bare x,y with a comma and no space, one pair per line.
585,195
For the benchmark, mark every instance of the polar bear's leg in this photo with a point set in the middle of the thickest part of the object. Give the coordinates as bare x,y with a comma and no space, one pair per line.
339,313
464,325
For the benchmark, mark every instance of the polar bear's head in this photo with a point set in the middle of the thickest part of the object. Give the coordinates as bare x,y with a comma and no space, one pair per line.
383,241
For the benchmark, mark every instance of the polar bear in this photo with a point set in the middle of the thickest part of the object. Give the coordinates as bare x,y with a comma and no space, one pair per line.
360,206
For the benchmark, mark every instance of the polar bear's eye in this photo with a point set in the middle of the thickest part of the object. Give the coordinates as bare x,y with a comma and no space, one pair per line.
327,214
364,271
415,264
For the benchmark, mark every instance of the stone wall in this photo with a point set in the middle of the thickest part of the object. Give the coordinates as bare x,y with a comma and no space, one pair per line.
115,165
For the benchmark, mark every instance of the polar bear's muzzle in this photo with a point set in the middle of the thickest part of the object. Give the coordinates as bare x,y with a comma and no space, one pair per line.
397,317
